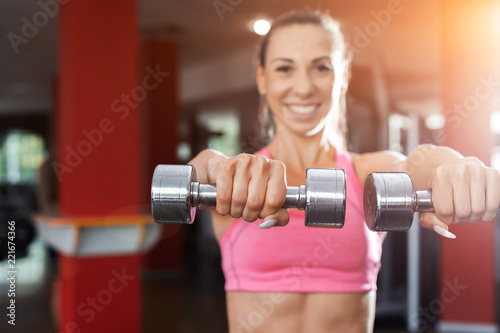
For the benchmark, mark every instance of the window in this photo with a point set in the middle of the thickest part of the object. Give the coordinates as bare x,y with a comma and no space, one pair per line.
226,129
21,153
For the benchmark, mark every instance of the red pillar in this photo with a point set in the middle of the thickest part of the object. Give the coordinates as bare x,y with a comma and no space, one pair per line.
467,263
98,158
160,111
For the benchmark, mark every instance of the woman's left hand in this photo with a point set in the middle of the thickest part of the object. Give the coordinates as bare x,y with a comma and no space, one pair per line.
462,191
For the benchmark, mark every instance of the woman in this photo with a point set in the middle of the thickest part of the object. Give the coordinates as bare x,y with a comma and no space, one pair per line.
298,279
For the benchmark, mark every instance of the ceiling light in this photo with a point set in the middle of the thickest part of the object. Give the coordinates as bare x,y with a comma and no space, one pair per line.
261,27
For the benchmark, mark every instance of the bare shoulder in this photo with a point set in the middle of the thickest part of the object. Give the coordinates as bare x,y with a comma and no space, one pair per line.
380,161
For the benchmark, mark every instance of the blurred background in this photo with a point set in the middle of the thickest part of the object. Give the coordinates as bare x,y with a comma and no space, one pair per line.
94,95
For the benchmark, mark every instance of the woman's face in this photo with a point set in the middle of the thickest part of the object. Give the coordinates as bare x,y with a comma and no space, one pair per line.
298,77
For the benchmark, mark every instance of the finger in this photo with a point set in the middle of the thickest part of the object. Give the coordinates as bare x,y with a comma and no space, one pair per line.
276,190
442,200
224,187
443,232
477,195
283,217
256,195
279,219
428,220
492,195
239,192
431,221
462,199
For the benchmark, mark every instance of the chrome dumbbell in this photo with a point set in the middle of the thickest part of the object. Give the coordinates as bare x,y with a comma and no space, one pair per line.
390,201
175,196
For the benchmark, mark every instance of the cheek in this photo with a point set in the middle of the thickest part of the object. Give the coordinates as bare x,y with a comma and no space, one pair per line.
326,86
277,90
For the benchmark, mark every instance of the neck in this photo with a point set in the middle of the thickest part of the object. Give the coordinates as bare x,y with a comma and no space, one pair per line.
300,153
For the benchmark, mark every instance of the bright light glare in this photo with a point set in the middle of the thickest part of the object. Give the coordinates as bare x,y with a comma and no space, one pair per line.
261,27
434,121
495,123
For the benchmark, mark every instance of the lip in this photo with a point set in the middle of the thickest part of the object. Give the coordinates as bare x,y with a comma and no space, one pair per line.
303,111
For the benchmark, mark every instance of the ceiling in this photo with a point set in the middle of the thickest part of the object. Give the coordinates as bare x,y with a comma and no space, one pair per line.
408,45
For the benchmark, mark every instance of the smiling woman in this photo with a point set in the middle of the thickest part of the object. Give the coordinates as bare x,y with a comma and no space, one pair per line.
298,279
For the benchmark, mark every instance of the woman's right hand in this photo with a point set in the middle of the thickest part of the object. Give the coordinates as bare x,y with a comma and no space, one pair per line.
250,187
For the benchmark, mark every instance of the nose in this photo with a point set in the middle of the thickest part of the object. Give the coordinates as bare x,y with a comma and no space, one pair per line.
303,84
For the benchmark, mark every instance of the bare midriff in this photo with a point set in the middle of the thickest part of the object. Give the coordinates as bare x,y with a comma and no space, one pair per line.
259,312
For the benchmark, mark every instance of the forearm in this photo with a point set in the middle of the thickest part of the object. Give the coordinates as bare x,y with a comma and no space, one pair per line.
425,159
200,163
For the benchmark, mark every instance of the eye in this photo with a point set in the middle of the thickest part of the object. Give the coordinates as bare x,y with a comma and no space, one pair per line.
324,68
284,69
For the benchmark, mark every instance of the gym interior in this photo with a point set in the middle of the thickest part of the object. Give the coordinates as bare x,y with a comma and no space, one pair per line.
95,94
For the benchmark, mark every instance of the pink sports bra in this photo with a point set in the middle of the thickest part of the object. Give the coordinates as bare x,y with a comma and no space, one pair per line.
296,258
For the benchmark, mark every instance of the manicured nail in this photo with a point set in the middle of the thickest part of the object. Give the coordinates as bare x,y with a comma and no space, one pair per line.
443,232
268,224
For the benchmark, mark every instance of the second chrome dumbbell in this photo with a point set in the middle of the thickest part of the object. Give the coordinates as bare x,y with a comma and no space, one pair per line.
390,201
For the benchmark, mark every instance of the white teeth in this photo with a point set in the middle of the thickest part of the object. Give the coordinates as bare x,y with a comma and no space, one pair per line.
302,109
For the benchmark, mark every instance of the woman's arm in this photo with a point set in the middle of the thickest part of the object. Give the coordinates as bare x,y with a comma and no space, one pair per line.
200,163
463,188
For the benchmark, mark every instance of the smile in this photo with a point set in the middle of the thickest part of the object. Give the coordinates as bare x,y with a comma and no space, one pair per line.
303,110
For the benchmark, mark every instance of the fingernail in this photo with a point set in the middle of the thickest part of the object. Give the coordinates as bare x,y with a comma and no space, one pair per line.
268,224
443,232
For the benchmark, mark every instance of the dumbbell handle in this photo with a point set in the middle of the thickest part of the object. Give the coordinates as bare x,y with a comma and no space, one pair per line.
422,201
205,195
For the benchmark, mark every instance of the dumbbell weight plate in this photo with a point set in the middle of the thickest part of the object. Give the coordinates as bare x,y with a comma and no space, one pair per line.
170,194
388,212
326,198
